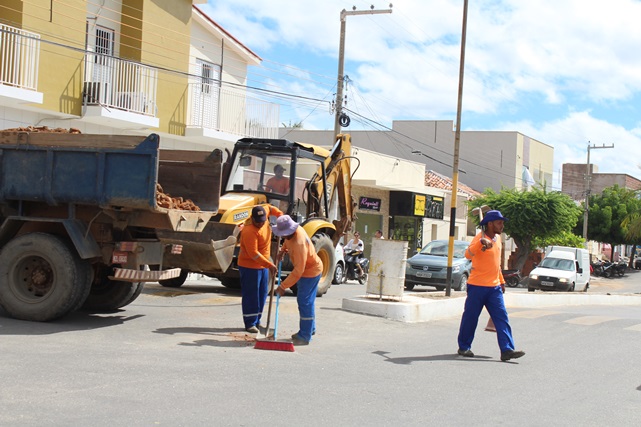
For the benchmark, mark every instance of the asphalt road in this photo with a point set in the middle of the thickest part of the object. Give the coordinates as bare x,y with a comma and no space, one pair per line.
180,358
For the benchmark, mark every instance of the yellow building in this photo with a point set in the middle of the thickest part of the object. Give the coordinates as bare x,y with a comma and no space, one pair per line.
128,66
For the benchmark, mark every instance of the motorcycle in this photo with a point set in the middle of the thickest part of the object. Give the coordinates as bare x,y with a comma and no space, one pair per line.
620,267
601,268
352,258
512,278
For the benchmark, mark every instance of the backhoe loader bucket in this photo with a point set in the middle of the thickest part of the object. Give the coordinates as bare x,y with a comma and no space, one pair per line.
208,252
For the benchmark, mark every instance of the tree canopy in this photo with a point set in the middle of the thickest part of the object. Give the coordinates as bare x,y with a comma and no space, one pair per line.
611,216
535,214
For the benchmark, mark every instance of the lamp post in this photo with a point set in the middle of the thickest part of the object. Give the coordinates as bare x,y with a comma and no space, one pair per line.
341,62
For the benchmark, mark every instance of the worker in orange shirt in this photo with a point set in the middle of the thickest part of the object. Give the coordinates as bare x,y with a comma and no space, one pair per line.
485,288
308,268
254,264
278,183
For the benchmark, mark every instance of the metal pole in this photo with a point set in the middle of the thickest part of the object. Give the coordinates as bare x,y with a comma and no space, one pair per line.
588,186
457,143
341,64
586,208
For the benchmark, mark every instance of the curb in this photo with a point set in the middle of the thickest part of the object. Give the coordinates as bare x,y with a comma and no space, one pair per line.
414,308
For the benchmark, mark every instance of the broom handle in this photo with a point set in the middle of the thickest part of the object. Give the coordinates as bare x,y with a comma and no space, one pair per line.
280,263
271,292
271,298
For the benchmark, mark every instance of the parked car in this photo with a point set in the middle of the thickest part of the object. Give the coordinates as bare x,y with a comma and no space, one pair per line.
429,266
637,263
339,268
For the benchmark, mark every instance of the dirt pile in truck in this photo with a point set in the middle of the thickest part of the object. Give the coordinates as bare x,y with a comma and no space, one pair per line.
164,200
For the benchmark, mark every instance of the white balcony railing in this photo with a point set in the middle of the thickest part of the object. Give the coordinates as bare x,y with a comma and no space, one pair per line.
19,57
231,110
115,83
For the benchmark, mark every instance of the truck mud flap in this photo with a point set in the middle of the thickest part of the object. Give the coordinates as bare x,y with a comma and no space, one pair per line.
127,275
209,252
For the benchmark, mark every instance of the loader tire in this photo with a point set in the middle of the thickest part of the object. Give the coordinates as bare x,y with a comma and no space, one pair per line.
326,252
41,277
108,295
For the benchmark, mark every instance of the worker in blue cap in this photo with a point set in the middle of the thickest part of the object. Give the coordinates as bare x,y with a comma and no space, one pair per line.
485,288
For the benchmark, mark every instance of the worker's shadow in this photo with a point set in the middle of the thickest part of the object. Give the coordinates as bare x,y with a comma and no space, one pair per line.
221,337
433,358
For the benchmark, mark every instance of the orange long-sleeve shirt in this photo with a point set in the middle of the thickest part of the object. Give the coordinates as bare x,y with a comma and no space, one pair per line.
255,243
303,256
486,265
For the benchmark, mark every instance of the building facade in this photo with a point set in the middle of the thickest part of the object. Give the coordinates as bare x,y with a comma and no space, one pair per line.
575,185
487,159
128,67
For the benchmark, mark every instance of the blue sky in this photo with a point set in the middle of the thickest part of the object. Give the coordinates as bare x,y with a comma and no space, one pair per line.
565,72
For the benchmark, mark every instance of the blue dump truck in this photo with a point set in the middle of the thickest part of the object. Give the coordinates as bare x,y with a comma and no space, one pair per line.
82,219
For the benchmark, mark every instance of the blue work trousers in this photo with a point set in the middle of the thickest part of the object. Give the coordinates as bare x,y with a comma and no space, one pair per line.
306,298
254,284
492,299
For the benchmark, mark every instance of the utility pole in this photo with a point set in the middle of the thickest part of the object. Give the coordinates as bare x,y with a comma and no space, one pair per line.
588,187
457,143
341,61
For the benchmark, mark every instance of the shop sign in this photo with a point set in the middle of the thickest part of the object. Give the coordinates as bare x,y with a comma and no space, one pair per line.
434,207
419,205
369,204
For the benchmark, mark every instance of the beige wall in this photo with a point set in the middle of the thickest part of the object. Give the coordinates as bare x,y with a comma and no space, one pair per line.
491,159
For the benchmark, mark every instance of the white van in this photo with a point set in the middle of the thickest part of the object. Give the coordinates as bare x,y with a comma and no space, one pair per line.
562,269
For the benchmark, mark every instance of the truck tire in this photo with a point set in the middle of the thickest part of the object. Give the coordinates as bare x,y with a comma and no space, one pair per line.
108,295
326,252
85,268
41,278
176,282
230,282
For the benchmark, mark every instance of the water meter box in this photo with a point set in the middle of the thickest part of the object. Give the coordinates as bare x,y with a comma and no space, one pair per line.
387,268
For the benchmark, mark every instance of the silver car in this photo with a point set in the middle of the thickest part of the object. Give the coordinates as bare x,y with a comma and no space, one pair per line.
429,266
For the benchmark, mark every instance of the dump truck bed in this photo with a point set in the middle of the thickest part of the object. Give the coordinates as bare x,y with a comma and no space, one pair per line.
118,174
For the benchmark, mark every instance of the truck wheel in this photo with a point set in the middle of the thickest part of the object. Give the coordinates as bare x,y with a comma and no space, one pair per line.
85,268
326,252
409,286
230,282
176,282
109,295
40,277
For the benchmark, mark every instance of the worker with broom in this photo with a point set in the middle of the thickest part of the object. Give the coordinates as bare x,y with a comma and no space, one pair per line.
254,264
306,274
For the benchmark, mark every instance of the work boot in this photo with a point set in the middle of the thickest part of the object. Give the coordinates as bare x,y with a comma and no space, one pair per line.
465,353
297,340
252,330
511,354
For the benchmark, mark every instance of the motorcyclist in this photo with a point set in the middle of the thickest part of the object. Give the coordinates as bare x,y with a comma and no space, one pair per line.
354,248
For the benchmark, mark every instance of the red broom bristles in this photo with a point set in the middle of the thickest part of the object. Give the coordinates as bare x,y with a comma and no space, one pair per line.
274,345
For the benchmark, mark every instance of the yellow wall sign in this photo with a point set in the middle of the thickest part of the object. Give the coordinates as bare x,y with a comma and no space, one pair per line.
419,205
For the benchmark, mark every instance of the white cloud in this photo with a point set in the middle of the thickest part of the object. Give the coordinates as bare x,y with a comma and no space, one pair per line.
558,68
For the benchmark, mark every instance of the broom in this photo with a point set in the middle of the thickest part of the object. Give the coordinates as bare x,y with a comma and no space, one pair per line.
270,343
